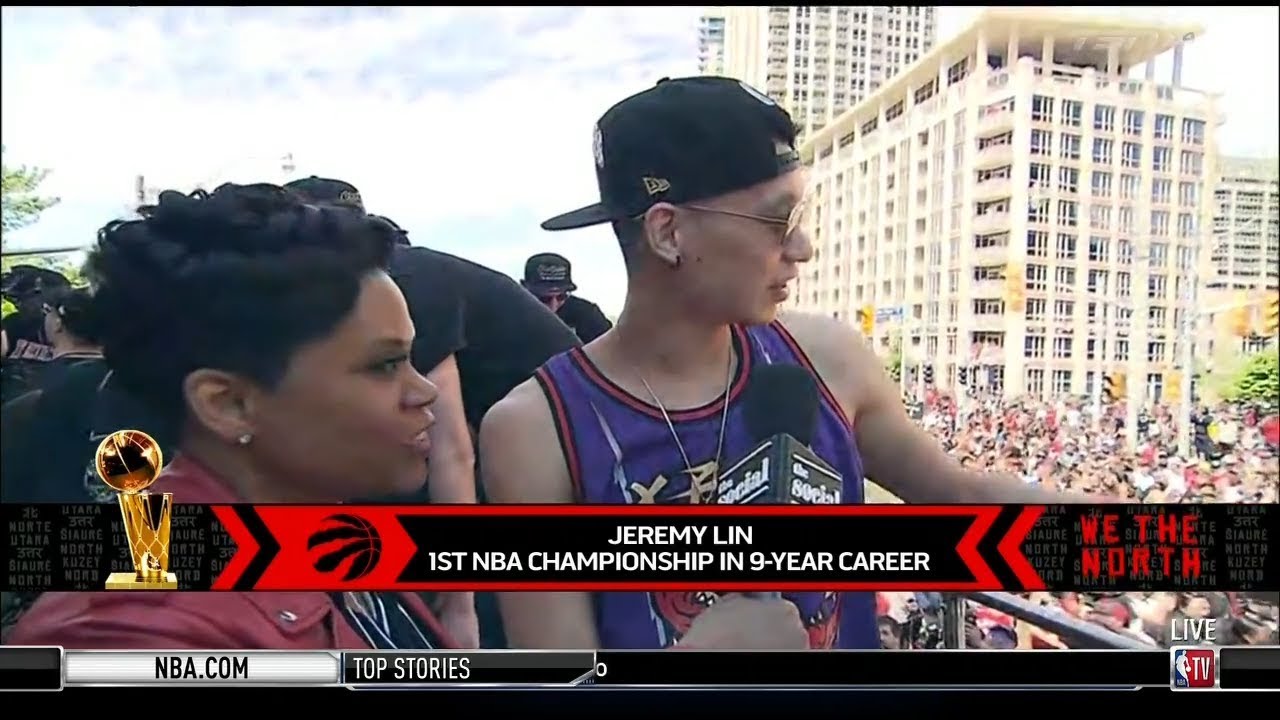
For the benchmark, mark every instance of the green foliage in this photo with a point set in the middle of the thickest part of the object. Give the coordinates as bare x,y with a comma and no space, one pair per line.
20,200
61,263
1258,379
893,363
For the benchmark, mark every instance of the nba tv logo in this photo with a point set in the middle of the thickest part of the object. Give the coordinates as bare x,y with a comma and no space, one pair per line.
1194,668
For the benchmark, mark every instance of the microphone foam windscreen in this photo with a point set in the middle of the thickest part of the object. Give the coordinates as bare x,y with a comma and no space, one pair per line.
781,399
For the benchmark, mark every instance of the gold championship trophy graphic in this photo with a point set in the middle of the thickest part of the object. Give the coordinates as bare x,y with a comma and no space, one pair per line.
128,462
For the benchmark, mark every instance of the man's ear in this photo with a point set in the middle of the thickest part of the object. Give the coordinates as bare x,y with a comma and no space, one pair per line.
660,233
221,401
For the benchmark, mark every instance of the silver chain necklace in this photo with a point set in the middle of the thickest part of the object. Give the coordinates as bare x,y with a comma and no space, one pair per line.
724,416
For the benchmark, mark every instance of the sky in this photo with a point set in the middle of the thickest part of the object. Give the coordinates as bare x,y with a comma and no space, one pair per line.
468,126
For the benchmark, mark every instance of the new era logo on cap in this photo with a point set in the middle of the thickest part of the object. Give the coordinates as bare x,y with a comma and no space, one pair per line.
329,192
681,141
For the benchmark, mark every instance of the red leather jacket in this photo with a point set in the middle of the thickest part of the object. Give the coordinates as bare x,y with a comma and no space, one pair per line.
149,620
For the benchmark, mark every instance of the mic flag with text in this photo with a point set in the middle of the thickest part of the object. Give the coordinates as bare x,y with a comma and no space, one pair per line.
781,406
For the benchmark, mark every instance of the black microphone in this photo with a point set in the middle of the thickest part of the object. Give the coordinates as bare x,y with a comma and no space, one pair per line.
781,405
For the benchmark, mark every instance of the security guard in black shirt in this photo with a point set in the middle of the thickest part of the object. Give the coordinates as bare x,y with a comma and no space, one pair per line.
478,336
549,277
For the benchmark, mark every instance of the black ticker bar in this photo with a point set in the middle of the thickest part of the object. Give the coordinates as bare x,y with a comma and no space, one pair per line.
1041,668
1249,668
30,668
437,667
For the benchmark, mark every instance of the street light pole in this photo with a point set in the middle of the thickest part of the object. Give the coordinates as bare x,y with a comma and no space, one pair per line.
902,357
1189,331
1101,376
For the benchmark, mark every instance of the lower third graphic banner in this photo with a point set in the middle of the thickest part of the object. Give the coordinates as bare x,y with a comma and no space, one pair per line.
658,548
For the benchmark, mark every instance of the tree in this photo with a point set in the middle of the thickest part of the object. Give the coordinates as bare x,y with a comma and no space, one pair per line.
20,199
1258,380
893,363
22,204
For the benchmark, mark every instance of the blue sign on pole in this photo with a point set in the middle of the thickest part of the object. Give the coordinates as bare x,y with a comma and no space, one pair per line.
888,314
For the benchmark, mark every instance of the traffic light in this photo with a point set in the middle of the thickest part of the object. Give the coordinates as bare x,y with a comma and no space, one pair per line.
1015,288
928,374
1271,317
1172,392
1114,388
867,315
1240,322
962,375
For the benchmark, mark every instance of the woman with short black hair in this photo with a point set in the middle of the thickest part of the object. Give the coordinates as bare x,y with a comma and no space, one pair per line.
267,332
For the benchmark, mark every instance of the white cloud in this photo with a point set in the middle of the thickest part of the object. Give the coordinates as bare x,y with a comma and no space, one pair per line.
446,118
437,115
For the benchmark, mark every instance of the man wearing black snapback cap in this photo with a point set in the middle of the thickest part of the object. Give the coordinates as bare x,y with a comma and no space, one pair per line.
479,334
704,189
549,277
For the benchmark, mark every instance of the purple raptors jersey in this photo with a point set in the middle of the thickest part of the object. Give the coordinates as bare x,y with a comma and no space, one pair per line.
619,450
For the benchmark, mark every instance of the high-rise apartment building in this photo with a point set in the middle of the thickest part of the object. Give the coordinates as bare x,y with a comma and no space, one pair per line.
1246,224
711,41
819,60
1021,147
1245,258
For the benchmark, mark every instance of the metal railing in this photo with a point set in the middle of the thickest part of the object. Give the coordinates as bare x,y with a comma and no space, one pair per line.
1075,633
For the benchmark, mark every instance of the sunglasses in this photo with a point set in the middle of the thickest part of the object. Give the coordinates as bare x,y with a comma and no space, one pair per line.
795,220
554,297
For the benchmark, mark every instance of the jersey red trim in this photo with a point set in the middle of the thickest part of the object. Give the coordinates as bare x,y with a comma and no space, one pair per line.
742,346
563,429
804,360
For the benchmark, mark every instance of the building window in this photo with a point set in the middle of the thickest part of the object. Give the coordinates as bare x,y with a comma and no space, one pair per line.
1162,159
1191,163
1068,213
1100,183
1061,382
1129,185
1193,131
1131,157
1035,382
1102,151
1069,146
1066,248
1098,247
1071,110
1037,278
1133,122
1037,243
1041,142
1042,108
1104,118
1068,179
1155,351
1033,347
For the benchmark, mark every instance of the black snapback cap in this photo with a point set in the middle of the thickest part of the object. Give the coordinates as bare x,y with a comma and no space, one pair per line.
547,273
683,140
328,192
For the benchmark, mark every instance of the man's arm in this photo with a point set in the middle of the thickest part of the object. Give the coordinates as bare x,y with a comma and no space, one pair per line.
451,479
896,453
590,322
521,462
451,473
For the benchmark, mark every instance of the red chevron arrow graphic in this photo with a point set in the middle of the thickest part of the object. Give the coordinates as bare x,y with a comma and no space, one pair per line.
246,547
1010,548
